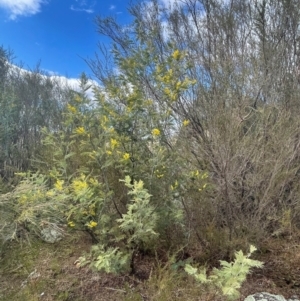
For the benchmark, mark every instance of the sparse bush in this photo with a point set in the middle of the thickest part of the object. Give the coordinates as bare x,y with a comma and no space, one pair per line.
30,207
229,278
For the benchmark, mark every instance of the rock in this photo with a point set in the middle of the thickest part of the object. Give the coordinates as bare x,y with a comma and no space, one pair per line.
51,235
269,297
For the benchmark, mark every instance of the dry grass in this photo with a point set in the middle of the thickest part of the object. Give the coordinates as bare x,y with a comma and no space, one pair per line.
49,272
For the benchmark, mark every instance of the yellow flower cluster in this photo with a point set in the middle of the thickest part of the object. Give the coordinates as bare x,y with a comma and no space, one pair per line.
167,91
176,55
71,109
204,176
23,199
168,77
195,173
79,185
172,95
203,187
80,131
155,132
71,224
113,143
178,85
183,85
160,172
92,224
126,156
186,122
50,193
59,185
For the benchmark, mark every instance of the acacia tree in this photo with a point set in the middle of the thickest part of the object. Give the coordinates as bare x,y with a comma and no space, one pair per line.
235,81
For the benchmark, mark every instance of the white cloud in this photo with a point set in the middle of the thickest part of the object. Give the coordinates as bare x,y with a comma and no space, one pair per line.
83,6
112,7
86,10
17,8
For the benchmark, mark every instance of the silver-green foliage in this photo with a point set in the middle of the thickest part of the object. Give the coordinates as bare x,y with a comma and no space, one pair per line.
137,230
29,208
141,218
110,260
229,278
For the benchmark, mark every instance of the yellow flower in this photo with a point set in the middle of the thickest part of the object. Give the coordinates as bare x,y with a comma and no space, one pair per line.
203,187
59,185
92,224
168,76
23,199
108,152
50,193
80,130
176,55
186,122
159,173
79,186
155,132
167,91
113,143
173,187
174,96
126,156
71,224
204,176
194,174
178,85
71,108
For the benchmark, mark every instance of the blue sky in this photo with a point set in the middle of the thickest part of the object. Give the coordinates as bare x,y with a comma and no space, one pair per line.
59,33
